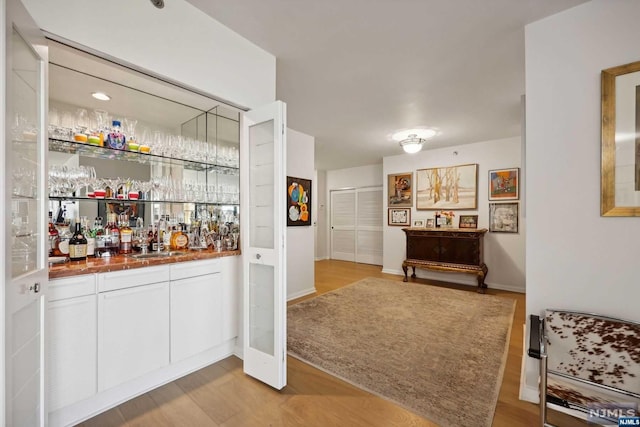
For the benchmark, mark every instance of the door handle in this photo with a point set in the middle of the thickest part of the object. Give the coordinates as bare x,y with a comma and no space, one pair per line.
258,256
35,288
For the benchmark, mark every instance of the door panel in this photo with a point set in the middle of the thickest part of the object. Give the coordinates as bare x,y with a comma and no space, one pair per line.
23,231
343,225
263,185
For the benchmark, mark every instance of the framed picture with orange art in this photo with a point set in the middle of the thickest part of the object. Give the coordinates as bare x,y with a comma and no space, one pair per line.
504,184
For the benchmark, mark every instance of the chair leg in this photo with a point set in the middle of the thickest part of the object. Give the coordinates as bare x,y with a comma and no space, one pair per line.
543,390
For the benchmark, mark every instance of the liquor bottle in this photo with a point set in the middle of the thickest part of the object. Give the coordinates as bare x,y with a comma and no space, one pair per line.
78,244
437,219
126,234
179,238
98,232
91,238
53,234
112,235
157,244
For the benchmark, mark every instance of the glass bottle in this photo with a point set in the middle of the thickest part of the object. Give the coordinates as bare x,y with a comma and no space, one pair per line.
179,238
64,235
437,219
91,238
53,234
115,138
126,234
112,235
98,232
78,244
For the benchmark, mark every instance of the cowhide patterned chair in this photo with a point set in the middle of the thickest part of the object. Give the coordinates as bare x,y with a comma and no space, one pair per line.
585,360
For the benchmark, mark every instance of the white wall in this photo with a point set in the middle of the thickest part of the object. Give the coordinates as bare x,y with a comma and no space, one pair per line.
178,42
576,259
359,177
503,252
320,213
300,240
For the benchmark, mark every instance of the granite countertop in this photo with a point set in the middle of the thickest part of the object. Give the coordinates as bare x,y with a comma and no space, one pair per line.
122,262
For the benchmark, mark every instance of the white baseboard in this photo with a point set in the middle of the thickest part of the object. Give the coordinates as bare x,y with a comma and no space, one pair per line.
301,293
445,277
321,258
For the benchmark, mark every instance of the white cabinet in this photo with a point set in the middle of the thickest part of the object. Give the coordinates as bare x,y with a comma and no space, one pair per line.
229,267
196,315
133,332
72,339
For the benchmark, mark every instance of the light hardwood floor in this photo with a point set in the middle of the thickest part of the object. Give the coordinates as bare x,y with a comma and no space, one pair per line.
222,395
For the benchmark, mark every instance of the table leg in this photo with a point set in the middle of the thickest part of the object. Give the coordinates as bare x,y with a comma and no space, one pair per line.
413,275
481,276
405,269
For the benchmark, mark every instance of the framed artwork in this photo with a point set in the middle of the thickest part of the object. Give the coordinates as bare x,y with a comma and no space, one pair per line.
400,190
418,223
431,223
620,170
503,217
468,221
447,188
504,184
298,201
399,216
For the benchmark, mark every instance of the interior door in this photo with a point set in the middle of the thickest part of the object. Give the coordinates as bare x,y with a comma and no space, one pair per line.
343,225
23,229
263,188
369,219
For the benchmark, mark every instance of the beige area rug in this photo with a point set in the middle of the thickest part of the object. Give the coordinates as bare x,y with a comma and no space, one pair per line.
435,351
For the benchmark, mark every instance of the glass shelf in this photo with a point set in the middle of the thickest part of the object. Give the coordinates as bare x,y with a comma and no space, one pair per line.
145,201
88,150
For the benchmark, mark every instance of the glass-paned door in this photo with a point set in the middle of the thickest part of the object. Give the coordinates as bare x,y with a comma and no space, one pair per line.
25,272
263,187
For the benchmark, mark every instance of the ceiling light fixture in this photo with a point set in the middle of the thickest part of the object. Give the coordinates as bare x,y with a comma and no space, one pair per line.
411,140
158,3
412,144
101,96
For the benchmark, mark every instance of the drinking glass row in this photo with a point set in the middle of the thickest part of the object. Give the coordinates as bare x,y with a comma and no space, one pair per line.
66,125
81,181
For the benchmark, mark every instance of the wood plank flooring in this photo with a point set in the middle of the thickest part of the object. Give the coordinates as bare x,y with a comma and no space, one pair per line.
222,395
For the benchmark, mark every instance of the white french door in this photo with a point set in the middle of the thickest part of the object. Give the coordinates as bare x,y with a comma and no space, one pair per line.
356,225
23,230
263,188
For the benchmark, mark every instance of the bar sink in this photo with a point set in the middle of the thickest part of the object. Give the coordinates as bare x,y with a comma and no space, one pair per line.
155,255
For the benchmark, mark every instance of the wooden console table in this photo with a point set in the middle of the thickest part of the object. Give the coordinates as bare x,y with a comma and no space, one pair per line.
446,249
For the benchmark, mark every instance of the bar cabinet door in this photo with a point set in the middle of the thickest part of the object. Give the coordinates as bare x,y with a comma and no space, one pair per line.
23,230
263,188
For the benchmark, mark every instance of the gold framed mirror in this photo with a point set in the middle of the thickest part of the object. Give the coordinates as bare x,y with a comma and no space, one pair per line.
620,175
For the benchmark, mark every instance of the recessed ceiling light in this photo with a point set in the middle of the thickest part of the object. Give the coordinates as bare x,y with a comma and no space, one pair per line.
101,96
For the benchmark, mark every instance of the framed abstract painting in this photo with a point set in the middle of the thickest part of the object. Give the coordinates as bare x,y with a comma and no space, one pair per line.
298,201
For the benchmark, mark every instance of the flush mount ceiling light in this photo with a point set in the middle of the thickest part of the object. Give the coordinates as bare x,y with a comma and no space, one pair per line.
101,96
411,140
158,3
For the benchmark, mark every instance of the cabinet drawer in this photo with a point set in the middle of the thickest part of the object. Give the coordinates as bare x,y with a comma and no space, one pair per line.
71,287
134,277
185,270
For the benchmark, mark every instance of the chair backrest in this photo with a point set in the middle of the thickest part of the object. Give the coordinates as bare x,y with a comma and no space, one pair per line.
596,349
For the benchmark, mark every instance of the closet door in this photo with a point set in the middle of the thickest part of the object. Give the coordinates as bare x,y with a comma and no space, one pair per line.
343,225
369,220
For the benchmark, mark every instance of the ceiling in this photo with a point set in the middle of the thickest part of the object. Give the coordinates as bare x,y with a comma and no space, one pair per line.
353,72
